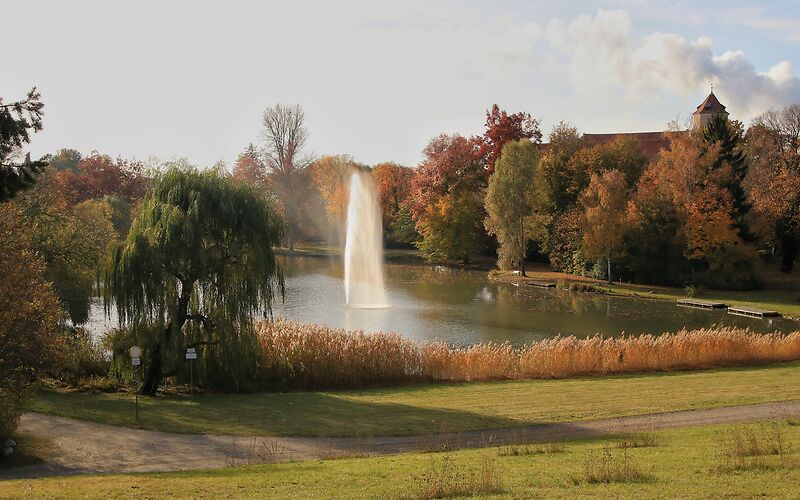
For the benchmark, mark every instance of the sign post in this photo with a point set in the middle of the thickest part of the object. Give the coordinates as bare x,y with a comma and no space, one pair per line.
191,355
136,360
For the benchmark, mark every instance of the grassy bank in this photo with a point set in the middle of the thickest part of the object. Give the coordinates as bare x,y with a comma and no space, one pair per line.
786,302
425,409
705,461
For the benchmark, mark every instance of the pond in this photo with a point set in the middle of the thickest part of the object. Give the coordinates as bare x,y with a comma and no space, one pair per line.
463,307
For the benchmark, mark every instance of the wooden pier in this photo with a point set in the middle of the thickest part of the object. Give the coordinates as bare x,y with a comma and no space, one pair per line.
701,304
753,312
541,284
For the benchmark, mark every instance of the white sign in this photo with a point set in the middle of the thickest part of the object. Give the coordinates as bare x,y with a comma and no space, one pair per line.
136,361
135,352
190,353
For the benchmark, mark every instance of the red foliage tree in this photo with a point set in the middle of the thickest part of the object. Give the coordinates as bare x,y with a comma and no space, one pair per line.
98,175
502,128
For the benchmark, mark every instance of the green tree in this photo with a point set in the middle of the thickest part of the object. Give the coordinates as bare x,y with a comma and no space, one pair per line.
17,119
72,239
509,203
448,227
729,136
199,251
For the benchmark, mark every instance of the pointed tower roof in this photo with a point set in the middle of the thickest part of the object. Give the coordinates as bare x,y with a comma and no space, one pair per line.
710,106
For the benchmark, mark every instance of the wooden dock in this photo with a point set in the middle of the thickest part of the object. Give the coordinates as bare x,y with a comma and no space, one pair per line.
701,304
753,312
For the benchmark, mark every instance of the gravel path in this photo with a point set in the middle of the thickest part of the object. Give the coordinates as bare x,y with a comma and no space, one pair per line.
82,447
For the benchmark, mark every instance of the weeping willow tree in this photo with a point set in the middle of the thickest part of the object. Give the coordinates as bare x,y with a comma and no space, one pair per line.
196,267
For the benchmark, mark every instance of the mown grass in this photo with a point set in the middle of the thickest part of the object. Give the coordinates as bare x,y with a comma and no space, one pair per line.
685,464
426,409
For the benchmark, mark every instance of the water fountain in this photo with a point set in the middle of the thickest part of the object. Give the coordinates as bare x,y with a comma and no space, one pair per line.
363,251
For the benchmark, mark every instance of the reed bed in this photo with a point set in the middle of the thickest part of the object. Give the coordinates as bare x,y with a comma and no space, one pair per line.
306,356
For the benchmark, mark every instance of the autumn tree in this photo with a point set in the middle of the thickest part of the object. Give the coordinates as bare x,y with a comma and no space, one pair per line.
510,205
29,317
98,175
604,202
284,137
773,181
502,128
393,182
17,120
197,265
656,239
331,176
446,193
250,168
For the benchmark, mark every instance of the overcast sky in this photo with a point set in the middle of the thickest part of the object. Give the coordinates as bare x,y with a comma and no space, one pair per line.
378,79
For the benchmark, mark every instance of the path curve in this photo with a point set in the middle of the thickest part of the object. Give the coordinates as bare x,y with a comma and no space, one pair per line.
83,447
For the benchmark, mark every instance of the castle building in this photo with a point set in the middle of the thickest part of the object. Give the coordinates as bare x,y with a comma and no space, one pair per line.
653,142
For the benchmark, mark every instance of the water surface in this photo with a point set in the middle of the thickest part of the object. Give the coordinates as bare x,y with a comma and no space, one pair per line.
463,307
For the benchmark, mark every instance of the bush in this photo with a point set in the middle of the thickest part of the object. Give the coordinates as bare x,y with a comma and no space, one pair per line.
79,358
734,267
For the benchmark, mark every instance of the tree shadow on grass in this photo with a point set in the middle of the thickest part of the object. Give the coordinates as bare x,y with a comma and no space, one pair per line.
302,414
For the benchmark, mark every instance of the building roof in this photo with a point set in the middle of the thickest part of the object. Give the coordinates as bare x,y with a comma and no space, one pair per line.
650,142
710,105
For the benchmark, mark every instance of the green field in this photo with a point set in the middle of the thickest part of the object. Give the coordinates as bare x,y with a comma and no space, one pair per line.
425,409
696,462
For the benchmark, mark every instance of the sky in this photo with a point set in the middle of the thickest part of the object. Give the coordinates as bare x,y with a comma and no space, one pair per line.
377,80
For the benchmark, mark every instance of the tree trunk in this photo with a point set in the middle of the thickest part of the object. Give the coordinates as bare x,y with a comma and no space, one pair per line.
155,372
152,378
522,267
608,261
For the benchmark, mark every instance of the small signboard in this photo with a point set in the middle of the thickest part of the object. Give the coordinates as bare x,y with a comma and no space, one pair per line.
191,353
136,361
135,352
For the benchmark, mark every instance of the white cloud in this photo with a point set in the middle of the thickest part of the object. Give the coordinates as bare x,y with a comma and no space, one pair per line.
604,56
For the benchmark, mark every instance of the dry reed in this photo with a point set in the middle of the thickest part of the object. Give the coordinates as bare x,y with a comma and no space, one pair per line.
304,356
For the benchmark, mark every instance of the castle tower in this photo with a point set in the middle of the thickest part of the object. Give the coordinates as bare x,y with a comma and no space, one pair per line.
708,108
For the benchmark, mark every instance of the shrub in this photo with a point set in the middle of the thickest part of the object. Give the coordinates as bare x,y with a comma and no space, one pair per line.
609,465
747,447
79,358
448,480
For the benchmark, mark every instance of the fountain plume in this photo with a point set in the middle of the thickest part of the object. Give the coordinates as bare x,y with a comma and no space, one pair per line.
363,250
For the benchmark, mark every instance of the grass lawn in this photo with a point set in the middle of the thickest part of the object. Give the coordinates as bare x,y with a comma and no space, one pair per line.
786,302
425,409
695,462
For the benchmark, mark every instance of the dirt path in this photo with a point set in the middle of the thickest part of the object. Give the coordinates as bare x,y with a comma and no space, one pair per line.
81,447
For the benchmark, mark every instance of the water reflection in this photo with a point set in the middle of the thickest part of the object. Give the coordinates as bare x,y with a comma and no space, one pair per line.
461,307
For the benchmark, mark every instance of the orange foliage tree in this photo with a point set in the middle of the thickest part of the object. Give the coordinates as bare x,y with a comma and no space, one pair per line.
394,185
604,202
331,175
29,316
